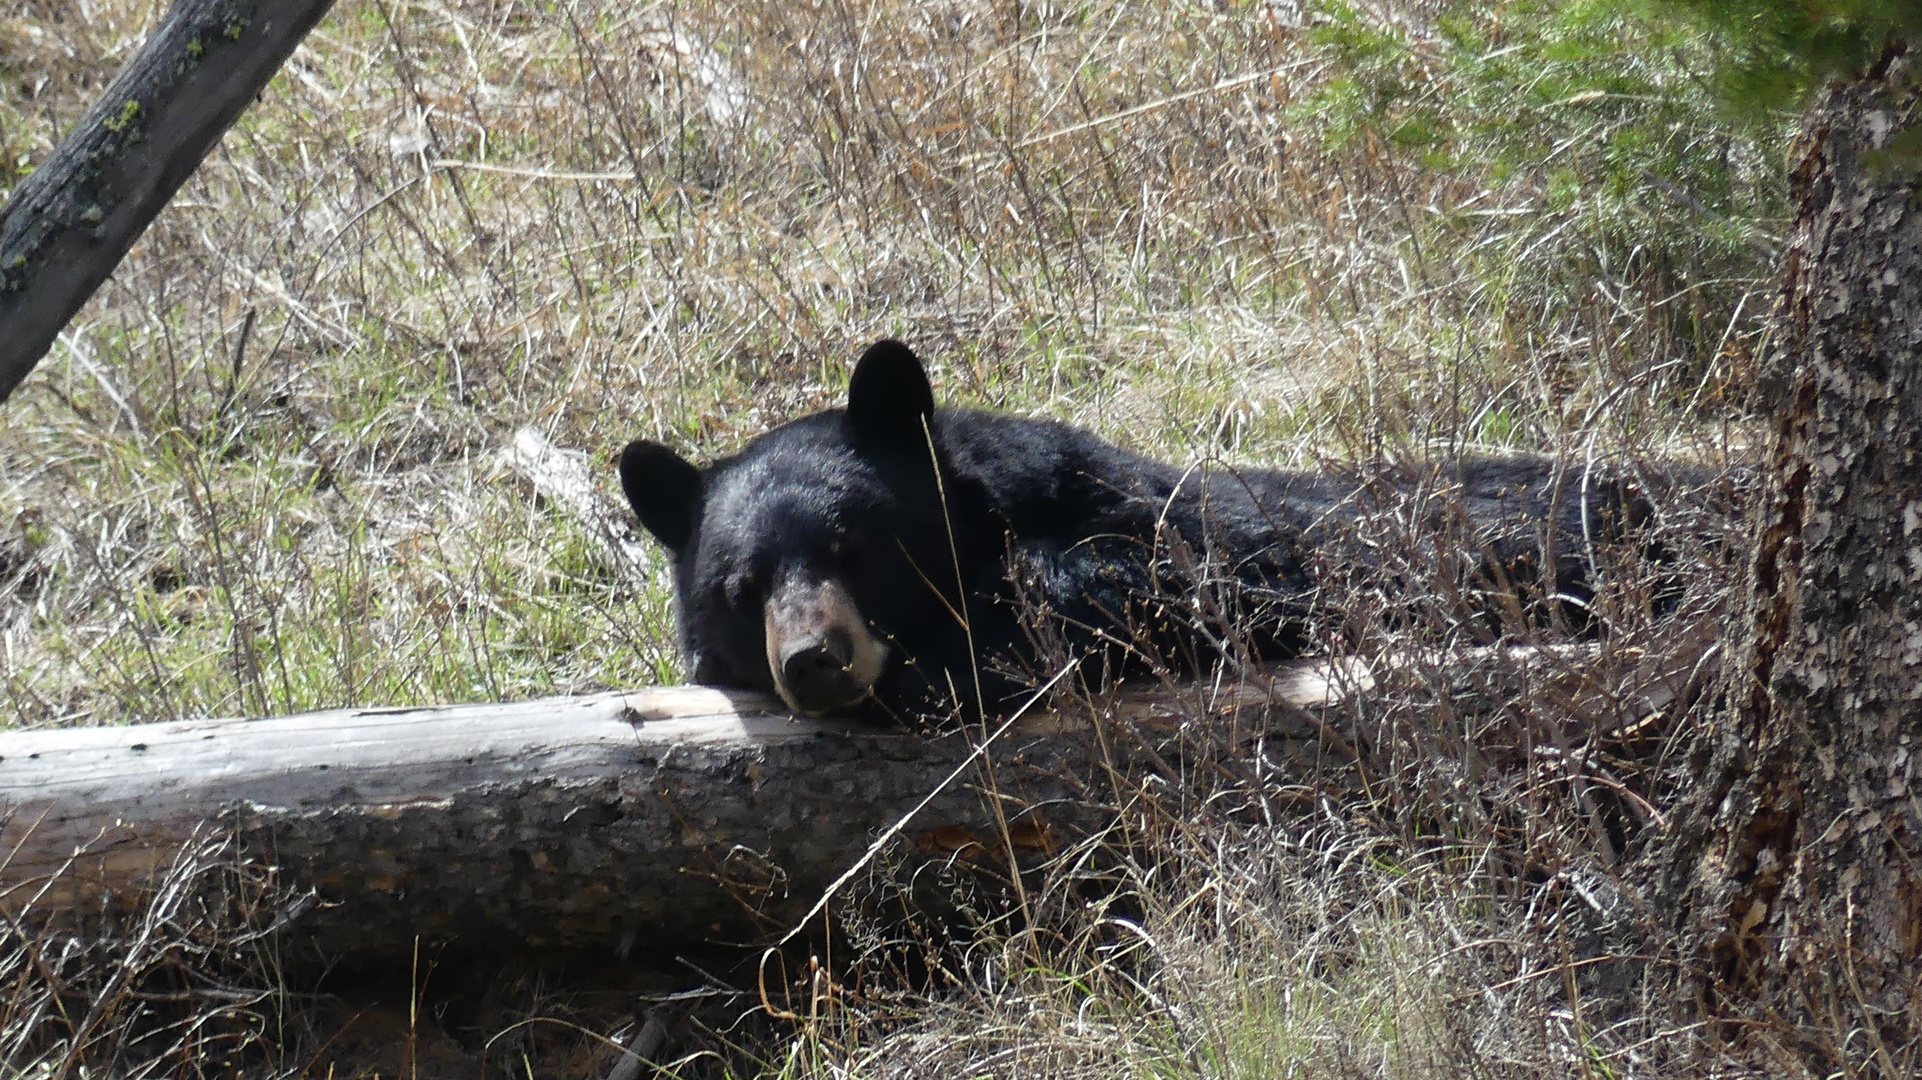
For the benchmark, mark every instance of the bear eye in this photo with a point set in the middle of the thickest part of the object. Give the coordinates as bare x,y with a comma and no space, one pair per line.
709,669
743,589
845,546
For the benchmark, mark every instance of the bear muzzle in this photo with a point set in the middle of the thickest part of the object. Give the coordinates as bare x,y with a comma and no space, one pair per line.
820,650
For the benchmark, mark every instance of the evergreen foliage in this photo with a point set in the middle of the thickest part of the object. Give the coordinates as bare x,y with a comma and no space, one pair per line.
1599,132
1772,52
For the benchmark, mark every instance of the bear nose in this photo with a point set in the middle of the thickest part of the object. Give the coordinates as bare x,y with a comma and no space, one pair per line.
817,675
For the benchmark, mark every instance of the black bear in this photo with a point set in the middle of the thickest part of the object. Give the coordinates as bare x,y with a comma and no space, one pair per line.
909,559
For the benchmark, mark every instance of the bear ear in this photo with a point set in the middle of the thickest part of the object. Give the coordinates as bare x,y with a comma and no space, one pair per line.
663,489
889,396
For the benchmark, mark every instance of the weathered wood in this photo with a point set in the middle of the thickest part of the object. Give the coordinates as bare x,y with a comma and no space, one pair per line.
562,477
567,821
671,815
68,225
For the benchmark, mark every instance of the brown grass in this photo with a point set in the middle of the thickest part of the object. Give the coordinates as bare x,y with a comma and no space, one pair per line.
260,473
443,223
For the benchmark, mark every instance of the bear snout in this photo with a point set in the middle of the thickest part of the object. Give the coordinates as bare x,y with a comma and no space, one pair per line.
819,649
817,676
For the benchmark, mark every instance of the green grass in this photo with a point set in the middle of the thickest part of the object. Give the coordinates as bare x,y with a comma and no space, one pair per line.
261,473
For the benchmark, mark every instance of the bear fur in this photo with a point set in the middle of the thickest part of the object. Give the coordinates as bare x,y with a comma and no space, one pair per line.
896,558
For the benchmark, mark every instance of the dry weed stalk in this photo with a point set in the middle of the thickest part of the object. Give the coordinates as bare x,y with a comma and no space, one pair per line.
184,980
260,473
1439,893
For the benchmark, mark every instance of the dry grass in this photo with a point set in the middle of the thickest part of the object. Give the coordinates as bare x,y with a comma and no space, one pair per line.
1444,889
1312,951
260,472
190,983
445,222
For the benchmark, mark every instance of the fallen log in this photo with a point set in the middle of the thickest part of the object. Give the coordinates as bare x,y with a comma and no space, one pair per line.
684,813
622,820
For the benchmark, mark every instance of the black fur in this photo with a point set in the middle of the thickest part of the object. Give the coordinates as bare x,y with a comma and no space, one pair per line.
1108,553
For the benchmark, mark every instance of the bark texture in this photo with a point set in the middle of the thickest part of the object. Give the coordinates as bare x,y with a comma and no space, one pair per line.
650,820
69,224
1799,859
663,818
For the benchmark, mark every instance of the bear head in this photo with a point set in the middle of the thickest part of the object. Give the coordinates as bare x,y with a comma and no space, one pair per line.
813,561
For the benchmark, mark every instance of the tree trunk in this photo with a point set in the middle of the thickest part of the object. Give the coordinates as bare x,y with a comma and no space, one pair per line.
69,224
1798,858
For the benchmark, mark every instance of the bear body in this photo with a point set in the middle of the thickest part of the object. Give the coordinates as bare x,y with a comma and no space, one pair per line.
897,558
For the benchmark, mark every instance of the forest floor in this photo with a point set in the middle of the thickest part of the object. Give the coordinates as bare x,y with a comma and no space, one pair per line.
266,470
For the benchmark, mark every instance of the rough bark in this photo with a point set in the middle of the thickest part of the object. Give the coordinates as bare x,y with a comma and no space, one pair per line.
1798,861
680,815
69,224
676,815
